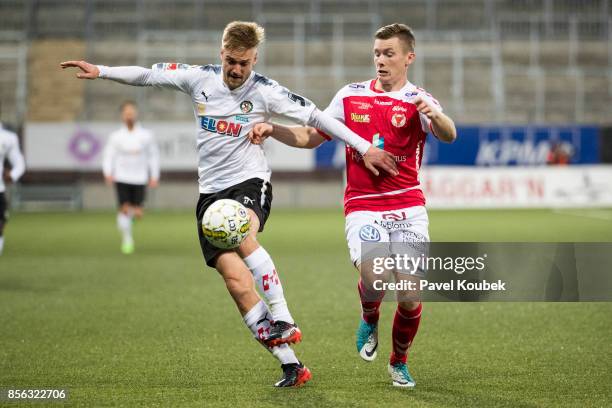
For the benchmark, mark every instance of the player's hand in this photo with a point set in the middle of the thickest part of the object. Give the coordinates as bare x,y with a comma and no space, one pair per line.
109,180
89,71
153,183
426,107
376,158
260,132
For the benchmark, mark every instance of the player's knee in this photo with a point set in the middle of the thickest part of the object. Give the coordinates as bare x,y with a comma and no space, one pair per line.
248,246
409,305
124,209
138,212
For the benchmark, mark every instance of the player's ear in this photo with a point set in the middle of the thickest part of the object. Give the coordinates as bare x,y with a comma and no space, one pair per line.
255,57
410,56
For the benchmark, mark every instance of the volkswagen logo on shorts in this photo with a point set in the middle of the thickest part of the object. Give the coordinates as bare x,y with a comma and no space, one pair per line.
369,233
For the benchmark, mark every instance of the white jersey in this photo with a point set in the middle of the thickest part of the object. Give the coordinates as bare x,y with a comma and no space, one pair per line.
224,117
131,157
9,149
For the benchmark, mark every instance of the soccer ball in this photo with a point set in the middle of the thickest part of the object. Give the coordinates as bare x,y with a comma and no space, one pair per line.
226,224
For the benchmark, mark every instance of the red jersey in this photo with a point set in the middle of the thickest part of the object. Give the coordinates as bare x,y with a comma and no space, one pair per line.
391,122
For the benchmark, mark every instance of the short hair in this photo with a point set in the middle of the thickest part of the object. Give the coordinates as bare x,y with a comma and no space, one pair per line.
401,31
242,35
128,102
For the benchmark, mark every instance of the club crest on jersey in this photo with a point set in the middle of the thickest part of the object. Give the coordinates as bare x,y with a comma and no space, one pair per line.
246,106
369,233
222,127
398,119
360,117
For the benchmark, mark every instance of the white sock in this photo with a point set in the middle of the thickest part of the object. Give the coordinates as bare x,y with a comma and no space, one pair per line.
124,223
258,321
268,283
1,244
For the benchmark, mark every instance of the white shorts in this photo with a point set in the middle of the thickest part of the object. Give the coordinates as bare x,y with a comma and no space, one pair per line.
403,226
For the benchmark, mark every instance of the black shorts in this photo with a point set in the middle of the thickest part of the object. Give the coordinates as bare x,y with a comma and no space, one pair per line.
133,194
254,193
3,209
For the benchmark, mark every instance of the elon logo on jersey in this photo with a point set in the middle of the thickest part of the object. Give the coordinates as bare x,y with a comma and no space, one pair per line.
398,119
222,127
378,141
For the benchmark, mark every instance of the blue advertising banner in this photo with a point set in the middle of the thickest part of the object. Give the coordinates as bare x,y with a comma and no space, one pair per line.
499,146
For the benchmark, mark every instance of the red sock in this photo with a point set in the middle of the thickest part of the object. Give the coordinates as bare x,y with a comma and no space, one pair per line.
370,303
405,326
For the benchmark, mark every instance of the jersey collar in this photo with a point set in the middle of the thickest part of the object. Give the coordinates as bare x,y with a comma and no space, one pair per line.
405,88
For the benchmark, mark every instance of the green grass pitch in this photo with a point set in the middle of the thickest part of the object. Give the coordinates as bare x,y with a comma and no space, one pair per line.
157,328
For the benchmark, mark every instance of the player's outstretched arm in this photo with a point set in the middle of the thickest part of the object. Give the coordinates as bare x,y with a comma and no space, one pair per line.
303,137
132,75
181,80
88,71
443,126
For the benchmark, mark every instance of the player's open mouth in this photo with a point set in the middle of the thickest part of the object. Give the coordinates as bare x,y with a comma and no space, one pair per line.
382,72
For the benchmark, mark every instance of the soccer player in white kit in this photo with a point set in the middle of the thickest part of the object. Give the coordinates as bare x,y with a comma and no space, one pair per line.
228,99
131,161
396,116
9,149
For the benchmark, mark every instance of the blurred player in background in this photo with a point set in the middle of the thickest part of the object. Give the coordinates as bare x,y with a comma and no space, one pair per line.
228,99
131,161
396,116
9,150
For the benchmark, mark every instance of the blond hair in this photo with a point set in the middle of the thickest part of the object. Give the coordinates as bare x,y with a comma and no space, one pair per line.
242,35
401,31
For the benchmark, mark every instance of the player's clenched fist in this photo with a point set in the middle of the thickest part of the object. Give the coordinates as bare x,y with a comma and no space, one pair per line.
90,71
260,132
426,107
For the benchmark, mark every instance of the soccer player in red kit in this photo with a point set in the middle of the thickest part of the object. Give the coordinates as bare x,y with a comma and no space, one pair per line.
396,116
